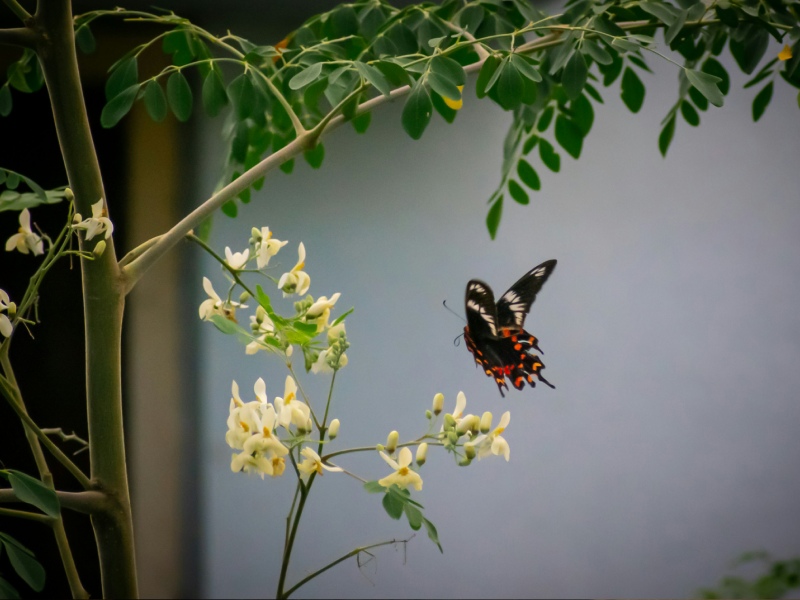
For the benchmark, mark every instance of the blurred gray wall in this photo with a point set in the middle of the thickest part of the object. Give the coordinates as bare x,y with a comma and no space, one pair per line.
670,327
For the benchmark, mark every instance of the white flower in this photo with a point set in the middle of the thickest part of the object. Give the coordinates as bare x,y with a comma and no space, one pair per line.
266,247
290,409
214,305
403,476
493,442
312,463
25,240
236,260
296,281
243,419
250,463
5,322
320,311
97,223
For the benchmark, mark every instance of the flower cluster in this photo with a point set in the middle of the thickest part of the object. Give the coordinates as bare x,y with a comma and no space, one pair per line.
253,430
473,434
269,331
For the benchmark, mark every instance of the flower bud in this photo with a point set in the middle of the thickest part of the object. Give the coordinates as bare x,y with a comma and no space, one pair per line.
255,232
464,462
428,415
438,403
391,442
469,451
333,430
422,453
449,422
244,297
289,351
486,422
380,447
99,248
69,195
12,309
467,424
452,437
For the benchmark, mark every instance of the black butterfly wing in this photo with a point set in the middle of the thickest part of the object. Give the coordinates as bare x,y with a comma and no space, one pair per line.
480,309
503,355
514,305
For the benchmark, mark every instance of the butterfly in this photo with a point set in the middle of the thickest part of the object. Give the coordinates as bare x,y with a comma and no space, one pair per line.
494,332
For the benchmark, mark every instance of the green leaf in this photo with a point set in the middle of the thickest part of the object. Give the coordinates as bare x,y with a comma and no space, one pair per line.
573,78
314,156
287,166
417,111
493,218
7,590
624,44
665,137
5,101
761,101
569,136
706,84
394,73
444,87
180,44
665,13
549,156
32,491
517,192
85,40
528,175
698,98
447,113
530,143
24,563
241,93
449,69
526,66
125,75
374,77
362,121
713,67
214,96
230,209
373,487
632,90
393,505
545,118
179,95
432,534
155,101
690,114
749,50
488,75
306,76
510,87
414,516
596,51
118,107
582,114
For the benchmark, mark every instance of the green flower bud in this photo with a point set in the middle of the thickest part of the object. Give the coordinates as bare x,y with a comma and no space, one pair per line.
428,414
380,448
469,451
99,248
69,195
449,422
452,437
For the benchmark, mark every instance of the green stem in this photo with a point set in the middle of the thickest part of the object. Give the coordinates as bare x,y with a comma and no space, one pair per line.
287,553
24,514
327,457
103,297
17,9
330,565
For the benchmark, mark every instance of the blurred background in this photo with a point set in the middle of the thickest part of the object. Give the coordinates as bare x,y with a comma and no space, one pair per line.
670,330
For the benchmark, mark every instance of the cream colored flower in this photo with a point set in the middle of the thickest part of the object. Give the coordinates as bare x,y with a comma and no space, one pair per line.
290,409
214,305
6,306
312,463
97,223
296,281
320,311
236,260
493,442
403,476
25,240
265,247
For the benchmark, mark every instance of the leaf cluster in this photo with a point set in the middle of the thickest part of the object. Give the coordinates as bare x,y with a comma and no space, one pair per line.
397,502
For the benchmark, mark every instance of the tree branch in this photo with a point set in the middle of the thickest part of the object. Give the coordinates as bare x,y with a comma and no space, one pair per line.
18,36
87,502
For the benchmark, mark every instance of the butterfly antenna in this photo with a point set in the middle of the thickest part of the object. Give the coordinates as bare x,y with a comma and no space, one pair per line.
444,303
457,339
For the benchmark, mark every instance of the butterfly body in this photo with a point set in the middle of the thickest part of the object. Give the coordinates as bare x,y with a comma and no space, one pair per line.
495,334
